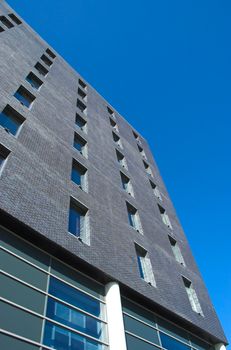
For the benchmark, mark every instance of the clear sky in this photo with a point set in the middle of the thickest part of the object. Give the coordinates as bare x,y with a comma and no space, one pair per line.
166,67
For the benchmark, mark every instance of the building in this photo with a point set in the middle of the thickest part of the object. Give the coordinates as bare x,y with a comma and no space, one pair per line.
93,255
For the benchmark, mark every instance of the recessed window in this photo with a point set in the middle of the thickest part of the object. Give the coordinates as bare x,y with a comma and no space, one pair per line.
136,135
114,124
82,84
24,96
117,140
133,217
6,22
126,184
111,112
34,81
176,251
141,150
81,106
81,123
121,159
155,190
147,168
46,60
82,94
80,144
4,153
41,69
79,221
165,217
192,296
79,175
11,120
1,29
15,19
144,265
50,53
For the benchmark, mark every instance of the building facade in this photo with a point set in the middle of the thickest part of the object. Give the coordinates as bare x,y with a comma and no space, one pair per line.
92,253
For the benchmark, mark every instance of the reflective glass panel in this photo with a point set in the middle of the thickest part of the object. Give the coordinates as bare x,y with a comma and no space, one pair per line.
134,343
140,266
76,176
74,319
1,160
74,297
9,122
33,81
74,221
140,329
80,122
172,344
78,144
23,99
62,339
131,219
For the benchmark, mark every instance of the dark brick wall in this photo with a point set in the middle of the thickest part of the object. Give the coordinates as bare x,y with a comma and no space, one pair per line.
35,185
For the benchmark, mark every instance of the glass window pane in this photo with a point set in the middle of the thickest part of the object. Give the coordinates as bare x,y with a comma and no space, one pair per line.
78,144
63,339
22,270
74,222
199,344
22,99
9,343
140,266
23,249
20,294
77,279
1,160
134,343
9,122
139,312
170,343
130,219
74,297
74,319
20,322
76,176
172,330
34,81
140,329
80,122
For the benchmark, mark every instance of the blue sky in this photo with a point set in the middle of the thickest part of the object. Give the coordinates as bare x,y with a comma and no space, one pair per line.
165,66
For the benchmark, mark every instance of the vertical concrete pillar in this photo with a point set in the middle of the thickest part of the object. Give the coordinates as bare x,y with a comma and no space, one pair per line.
220,346
116,332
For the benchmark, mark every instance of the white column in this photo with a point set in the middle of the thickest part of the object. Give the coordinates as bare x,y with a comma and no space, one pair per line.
116,332
220,346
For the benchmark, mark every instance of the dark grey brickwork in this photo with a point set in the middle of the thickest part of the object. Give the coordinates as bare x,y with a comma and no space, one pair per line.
35,185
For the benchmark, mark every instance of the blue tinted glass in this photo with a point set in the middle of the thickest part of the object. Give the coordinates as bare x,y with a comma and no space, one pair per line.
22,99
124,183
74,222
172,344
76,176
33,82
131,219
9,122
62,339
140,266
74,319
80,122
74,297
1,160
77,145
